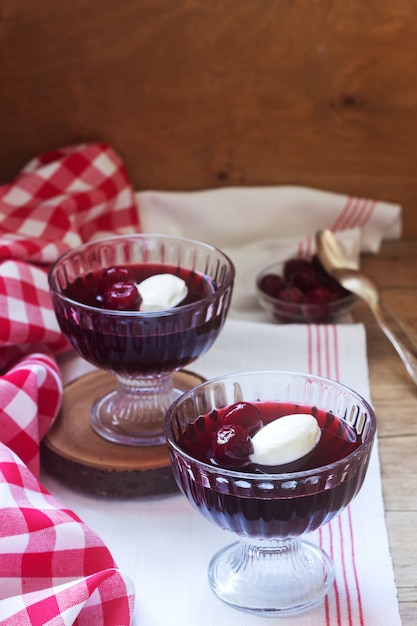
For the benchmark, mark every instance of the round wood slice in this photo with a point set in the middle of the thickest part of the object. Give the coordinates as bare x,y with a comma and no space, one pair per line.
75,454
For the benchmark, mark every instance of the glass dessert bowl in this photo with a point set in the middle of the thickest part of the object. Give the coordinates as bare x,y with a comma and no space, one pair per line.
222,470
99,291
301,291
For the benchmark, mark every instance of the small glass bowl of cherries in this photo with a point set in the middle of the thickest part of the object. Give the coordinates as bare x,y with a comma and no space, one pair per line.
300,290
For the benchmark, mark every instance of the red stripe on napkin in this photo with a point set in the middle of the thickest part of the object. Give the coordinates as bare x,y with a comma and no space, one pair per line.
337,538
344,563
305,247
367,213
322,350
356,213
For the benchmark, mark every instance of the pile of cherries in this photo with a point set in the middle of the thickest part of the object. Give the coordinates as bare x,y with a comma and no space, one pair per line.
303,282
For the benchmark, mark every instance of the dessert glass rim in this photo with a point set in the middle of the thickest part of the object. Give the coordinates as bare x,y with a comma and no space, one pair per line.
364,446
180,308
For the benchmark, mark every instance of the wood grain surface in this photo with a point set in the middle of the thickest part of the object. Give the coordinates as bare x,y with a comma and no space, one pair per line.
195,94
394,396
75,454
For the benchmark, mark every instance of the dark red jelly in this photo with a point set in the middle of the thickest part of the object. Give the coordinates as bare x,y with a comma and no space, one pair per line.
90,289
337,440
131,344
267,507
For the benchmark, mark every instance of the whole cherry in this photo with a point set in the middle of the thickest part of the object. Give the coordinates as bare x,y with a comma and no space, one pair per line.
232,445
122,296
114,274
197,437
271,284
243,414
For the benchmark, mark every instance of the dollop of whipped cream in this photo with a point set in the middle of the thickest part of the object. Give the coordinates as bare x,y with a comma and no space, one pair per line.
285,439
161,291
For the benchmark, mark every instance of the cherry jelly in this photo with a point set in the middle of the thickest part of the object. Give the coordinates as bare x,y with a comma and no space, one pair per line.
89,289
131,344
265,504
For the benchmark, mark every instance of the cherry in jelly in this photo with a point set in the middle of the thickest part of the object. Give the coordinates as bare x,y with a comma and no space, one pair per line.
231,445
114,274
243,414
121,296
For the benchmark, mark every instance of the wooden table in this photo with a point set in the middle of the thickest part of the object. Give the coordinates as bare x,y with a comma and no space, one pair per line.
394,396
235,93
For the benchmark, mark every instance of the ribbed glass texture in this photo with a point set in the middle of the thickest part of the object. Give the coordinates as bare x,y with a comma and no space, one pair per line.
270,512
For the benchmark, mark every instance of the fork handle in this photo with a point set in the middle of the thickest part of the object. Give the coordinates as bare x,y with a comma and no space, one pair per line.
398,336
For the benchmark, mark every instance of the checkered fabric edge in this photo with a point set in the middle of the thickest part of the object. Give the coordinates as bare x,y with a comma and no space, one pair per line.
59,200
62,198
30,397
27,320
54,569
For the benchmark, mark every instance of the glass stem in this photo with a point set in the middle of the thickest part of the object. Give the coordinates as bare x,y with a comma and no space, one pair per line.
134,412
273,577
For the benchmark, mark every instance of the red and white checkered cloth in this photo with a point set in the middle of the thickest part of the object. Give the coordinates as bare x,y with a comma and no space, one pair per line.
54,570
59,200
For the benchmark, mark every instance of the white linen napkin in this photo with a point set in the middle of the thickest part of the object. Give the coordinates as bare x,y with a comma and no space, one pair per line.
236,216
165,546
258,226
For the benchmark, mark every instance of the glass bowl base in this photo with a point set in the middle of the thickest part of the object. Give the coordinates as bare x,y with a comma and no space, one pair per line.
133,413
143,429
271,578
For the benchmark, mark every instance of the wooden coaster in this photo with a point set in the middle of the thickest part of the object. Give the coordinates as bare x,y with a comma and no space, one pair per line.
74,453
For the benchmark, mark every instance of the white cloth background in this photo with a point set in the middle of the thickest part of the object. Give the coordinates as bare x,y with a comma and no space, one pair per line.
263,225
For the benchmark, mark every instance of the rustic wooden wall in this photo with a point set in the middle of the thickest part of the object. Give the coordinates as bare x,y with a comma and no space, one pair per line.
204,93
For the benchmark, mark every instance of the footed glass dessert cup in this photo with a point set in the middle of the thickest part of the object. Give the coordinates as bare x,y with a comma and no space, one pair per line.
271,569
143,348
